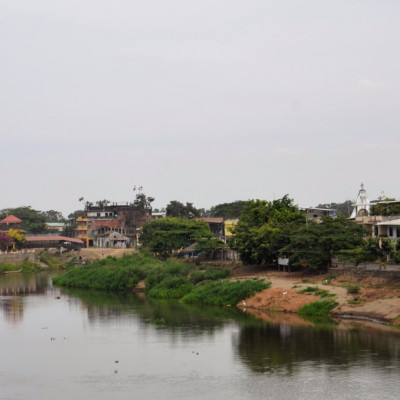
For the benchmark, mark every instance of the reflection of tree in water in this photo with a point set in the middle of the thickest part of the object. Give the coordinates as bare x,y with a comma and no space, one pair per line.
176,317
21,284
13,308
273,348
14,287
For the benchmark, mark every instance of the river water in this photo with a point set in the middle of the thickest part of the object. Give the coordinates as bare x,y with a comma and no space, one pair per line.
80,345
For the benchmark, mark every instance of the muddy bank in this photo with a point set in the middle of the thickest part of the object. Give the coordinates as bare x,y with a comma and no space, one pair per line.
370,298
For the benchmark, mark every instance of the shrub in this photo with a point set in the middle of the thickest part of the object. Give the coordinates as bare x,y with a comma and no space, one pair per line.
353,289
171,287
224,293
317,308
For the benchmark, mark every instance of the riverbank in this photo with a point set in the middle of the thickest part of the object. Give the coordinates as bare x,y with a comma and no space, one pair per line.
359,297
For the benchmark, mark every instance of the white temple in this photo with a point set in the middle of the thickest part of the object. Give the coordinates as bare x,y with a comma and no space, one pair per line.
362,204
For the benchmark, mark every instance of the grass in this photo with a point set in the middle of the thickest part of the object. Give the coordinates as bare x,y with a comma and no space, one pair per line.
318,308
224,293
53,262
354,301
317,292
26,266
353,289
309,289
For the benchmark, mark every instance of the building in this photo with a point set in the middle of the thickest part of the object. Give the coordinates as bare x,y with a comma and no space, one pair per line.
101,220
317,213
389,229
362,204
55,226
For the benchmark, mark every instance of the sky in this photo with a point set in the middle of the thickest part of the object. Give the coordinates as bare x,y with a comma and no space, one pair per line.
198,101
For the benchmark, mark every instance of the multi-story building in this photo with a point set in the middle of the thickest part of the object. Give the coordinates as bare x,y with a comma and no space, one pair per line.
101,223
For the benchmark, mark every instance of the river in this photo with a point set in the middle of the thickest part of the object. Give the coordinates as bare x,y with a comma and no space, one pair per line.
84,345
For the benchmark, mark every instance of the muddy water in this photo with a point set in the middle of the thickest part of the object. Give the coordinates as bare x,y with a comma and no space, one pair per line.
80,345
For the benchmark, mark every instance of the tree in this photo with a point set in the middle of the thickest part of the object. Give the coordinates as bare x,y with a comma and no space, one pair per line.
53,216
33,221
165,235
16,236
315,244
5,241
178,209
231,210
263,229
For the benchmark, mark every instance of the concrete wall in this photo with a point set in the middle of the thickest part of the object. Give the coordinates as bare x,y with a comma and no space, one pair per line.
17,258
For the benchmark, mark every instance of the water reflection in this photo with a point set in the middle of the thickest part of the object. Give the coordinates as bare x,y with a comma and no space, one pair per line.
271,348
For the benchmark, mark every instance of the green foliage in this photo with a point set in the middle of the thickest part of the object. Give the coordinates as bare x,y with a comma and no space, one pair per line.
109,274
33,221
165,235
26,266
51,261
353,289
313,245
318,308
263,229
385,209
179,210
309,289
209,274
231,210
171,287
224,293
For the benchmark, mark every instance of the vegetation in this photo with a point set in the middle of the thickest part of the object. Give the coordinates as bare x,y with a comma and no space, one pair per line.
109,274
318,308
263,229
231,210
50,260
386,209
224,293
33,221
25,266
163,236
180,210
314,245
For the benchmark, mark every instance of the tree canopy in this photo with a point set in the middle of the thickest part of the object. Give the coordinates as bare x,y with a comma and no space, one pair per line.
165,235
180,210
231,210
313,245
263,229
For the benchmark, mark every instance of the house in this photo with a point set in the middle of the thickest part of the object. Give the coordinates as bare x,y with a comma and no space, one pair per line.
10,222
389,229
101,220
55,226
216,226
316,213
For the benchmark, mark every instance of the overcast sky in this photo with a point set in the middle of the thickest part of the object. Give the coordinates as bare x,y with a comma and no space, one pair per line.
201,101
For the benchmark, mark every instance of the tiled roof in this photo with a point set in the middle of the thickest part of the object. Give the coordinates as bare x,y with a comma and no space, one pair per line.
52,238
11,219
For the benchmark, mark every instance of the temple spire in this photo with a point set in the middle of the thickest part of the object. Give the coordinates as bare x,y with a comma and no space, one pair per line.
362,204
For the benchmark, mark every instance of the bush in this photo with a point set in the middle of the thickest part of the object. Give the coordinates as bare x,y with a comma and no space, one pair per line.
171,287
209,274
317,308
353,289
224,293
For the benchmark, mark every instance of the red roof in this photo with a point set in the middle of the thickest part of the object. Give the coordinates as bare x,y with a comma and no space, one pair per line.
52,238
11,219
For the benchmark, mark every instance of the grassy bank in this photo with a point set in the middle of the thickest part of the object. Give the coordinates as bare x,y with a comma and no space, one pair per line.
26,266
165,280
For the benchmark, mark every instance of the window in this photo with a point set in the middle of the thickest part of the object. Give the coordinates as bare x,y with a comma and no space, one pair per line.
390,231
